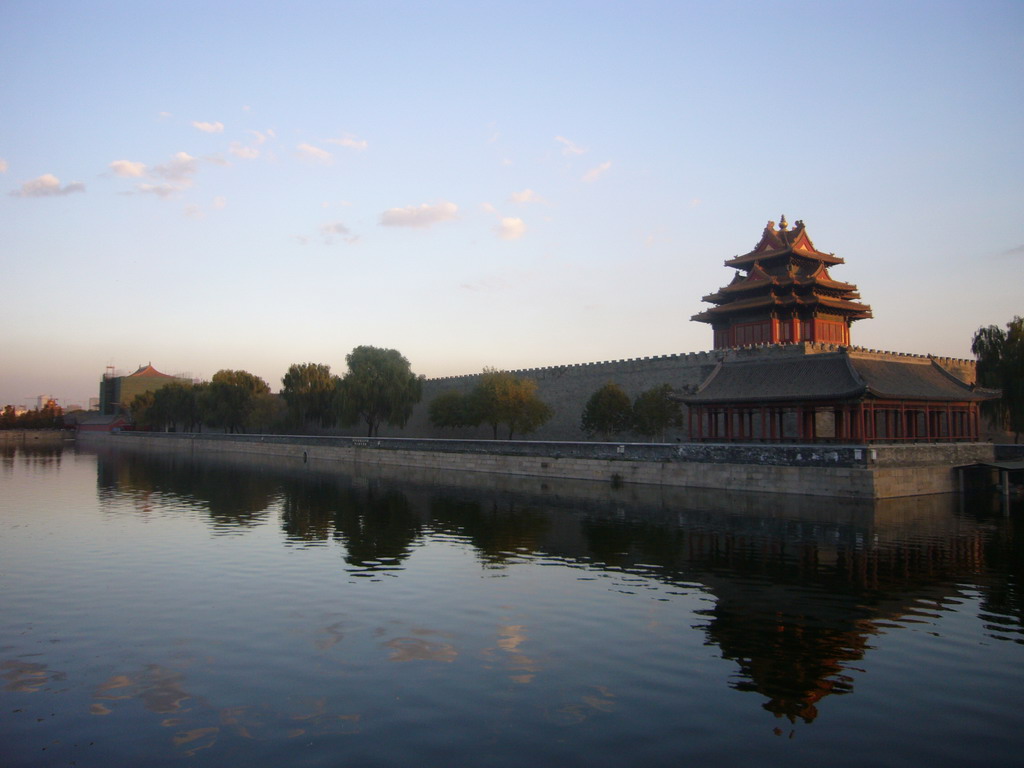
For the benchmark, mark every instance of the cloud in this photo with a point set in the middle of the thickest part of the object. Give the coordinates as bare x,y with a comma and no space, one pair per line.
160,190
181,167
488,208
330,231
419,216
511,228
526,196
47,185
315,153
595,173
1018,251
337,228
127,169
246,153
3,165
220,203
209,127
569,147
350,141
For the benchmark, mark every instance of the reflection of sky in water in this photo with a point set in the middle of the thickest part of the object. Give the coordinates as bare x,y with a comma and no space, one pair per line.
374,623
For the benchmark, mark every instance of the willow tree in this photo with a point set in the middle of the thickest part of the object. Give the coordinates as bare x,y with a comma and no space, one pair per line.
1000,356
379,387
228,400
309,389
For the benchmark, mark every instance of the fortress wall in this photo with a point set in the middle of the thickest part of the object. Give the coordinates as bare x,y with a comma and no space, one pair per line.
566,388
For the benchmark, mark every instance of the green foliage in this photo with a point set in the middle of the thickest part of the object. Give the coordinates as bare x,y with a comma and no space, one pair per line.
379,387
453,409
268,413
228,400
607,411
655,410
1000,356
144,412
502,398
171,407
309,389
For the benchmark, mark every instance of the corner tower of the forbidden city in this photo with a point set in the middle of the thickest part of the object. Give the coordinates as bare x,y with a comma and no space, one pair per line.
782,293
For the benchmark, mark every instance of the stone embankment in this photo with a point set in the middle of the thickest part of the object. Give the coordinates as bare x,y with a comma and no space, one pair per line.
35,436
866,472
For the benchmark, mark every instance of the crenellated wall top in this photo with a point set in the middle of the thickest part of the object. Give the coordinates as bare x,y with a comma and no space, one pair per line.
718,355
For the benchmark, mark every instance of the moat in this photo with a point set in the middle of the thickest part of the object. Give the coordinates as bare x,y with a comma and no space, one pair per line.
171,610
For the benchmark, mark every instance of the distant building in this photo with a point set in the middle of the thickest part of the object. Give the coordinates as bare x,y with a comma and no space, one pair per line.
117,392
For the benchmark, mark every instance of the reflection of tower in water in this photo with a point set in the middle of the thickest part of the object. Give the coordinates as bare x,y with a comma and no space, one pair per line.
796,612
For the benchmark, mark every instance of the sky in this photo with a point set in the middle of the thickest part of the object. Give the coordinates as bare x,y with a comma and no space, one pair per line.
210,185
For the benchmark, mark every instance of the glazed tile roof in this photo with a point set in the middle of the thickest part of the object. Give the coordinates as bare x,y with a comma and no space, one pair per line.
831,376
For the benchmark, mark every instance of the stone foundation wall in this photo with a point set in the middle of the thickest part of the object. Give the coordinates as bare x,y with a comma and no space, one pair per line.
835,471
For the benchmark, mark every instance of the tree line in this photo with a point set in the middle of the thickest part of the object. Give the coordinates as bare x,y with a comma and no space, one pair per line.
50,416
378,388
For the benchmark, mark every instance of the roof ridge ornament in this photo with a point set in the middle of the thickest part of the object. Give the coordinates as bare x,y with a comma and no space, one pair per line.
783,224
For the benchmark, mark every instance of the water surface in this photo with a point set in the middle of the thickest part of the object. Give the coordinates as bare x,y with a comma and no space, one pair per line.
169,611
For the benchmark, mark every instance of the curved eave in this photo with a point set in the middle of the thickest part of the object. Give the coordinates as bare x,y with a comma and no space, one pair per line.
750,258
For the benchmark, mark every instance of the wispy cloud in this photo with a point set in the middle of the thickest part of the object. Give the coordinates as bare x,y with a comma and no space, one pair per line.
508,227
595,173
128,169
569,147
424,215
1018,251
159,190
208,127
315,153
336,229
240,150
3,165
526,196
350,141
47,185
511,228
181,168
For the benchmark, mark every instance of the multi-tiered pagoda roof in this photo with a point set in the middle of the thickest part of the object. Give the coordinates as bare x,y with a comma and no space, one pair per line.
782,293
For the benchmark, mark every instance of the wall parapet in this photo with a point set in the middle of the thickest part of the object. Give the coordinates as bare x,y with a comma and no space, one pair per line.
789,455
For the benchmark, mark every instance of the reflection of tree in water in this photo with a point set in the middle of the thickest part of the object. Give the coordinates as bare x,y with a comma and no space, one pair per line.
623,543
233,497
33,455
1003,598
375,525
499,528
308,505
